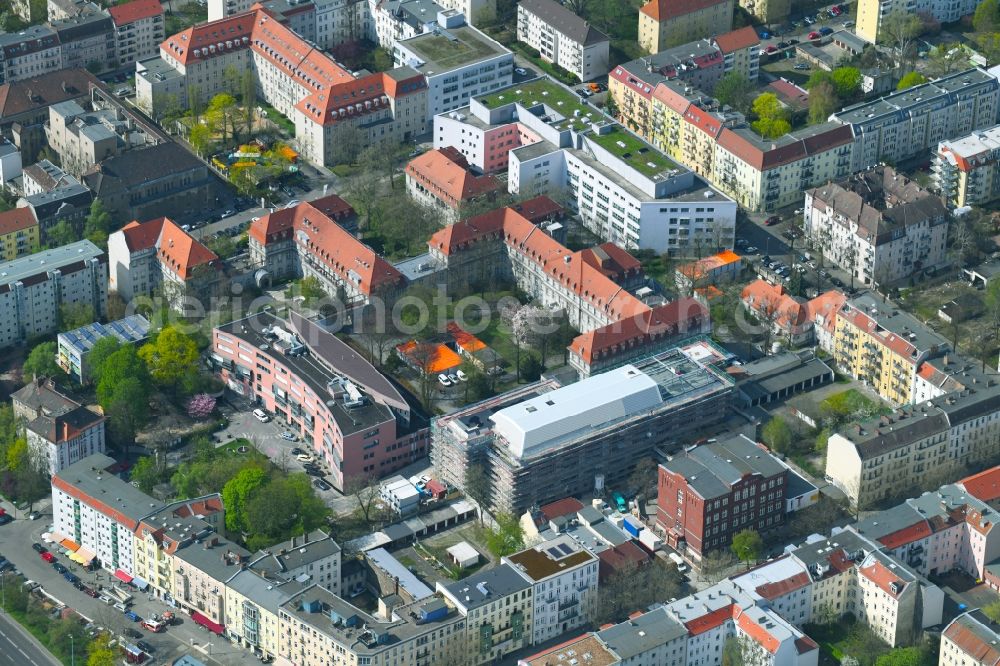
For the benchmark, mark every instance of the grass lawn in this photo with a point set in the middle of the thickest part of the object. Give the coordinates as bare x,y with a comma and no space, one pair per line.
450,53
190,14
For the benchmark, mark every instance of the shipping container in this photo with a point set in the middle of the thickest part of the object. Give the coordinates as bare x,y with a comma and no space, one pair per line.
650,541
632,526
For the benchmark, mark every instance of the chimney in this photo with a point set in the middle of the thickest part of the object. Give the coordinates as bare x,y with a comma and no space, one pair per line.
65,427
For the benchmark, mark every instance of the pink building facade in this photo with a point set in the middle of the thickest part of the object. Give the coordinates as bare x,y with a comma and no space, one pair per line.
317,387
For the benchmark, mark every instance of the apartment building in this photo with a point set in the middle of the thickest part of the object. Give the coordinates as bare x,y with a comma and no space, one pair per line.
307,240
158,256
39,397
75,346
872,13
623,189
884,347
457,62
139,29
34,51
878,225
201,568
441,179
61,439
163,531
768,11
907,123
591,286
563,579
86,40
34,287
355,419
18,233
964,169
67,200
302,83
713,491
314,557
499,604
25,104
586,644
740,51
316,624
563,38
99,512
82,138
971,638
545,441
252,603
791,318
666,23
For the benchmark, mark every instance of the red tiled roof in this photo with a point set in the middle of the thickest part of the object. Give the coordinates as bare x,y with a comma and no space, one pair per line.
334,207
563,507
759,634
985,485
611,260
181,252
135,11
763,159
354,262
445,174
773,302
869,326
539,209
971,642
330,93
625,557
703,120
671,98
702,267
805,644
882,576
17,219
661,10
143,236
711,620
737,39
780,588
906,535
826,305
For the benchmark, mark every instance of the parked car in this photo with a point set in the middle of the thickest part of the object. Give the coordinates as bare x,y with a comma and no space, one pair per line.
752,249
153,626
321,484
305,457
771,49
814,35
793,42
47,556
89,591
5,518
848,24
461,376
801,65
773,220
826,30
809,20
133,616
261,415
782,45
764,34
297,451
444,379
58,566
70,577
287,436
39,548
144,646
520,71
312,470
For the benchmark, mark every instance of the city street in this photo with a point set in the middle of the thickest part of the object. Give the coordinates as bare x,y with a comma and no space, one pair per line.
18,647
180,639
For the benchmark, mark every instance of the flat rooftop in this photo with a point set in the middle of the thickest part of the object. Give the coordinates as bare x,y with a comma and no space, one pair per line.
550,558
90,477
541,91
446,49
633,151
315,376
47,260
129,329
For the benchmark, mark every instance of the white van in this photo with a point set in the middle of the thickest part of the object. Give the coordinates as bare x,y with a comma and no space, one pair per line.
679,561
261,415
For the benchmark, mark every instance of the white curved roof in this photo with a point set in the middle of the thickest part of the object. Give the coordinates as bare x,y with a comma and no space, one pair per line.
541,423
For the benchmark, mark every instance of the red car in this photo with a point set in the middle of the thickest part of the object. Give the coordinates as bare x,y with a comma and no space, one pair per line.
814,35
771,221
48,557
771,49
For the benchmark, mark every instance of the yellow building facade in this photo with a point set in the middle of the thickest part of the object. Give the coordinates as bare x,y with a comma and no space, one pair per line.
18,233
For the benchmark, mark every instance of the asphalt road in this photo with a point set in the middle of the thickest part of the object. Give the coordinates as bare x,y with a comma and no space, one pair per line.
19,648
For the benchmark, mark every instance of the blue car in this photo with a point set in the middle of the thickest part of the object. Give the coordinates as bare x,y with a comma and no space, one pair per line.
70,576
132,616
826,30
764,34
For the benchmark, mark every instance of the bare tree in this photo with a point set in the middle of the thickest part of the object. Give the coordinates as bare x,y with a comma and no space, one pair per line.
900,30
366,490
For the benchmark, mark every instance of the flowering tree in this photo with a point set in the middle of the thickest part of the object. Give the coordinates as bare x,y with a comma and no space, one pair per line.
201,406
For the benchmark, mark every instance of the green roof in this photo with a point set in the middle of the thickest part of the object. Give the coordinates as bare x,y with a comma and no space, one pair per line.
636,153
544,91
441,53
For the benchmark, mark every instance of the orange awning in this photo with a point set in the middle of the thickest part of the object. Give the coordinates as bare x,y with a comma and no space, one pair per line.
70,545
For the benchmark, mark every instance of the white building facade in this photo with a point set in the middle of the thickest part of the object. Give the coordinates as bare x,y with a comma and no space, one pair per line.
563,38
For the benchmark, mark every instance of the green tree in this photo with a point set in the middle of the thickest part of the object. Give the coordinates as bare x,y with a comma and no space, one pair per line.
507,537
98,652
531,367
18,455
899,31
98,224
75,315
116,368
847,82
777,435
99,354
310,288
41,362
822,102
772,118
59,234
235,494
747,546
732,652
910,80
735,90
172,358
903,656
128,410
200,137
987,16
992,611
146,474
819,77
220,114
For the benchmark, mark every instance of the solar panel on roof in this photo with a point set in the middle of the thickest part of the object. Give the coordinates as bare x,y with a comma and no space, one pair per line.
554,553
565,549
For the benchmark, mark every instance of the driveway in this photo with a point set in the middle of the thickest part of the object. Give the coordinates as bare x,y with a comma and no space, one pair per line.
16,539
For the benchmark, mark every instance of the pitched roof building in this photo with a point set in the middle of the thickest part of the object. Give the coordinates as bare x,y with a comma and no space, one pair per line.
441,178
